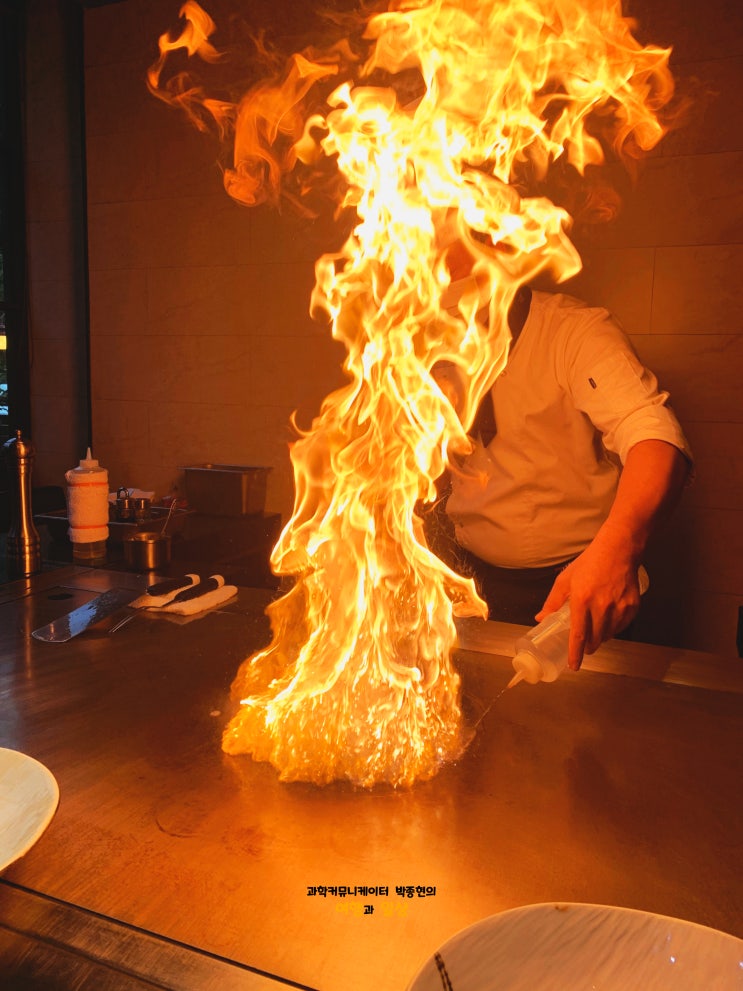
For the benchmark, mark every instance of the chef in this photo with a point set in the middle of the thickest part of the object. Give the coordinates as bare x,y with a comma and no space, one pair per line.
577,459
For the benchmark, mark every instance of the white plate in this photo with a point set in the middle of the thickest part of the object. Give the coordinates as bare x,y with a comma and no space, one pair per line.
573,947
28,799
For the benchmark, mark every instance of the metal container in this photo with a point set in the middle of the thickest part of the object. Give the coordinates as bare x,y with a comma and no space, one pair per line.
226,490
124,505
147,551
142,509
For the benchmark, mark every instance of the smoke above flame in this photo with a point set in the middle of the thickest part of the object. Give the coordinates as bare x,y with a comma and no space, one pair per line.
442,121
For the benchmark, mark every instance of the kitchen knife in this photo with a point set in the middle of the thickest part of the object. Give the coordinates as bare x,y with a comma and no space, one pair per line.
195,591
171,585
69,626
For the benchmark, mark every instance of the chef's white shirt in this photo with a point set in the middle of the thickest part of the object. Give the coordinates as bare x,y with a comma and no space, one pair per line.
572,401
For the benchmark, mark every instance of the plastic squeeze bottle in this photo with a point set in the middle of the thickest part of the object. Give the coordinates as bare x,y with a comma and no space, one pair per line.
542,654
87,508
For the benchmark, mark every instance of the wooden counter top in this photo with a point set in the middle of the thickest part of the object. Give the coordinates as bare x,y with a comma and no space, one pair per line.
618,785
672,665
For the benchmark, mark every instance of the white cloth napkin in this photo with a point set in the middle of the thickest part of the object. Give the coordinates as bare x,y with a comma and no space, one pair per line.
164,603
207,601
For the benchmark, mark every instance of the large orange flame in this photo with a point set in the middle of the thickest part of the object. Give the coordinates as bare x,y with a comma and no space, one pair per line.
358,681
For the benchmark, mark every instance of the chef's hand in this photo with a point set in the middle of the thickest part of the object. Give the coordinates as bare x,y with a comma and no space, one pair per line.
602,583
604,594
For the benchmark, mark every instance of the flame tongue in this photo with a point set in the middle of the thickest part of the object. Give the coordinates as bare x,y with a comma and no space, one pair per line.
357,682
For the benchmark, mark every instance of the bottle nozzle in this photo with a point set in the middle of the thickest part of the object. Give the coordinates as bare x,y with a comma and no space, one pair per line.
88,461
527,668
519,676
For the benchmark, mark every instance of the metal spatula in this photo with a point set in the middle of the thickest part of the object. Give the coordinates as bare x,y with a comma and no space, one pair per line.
69,626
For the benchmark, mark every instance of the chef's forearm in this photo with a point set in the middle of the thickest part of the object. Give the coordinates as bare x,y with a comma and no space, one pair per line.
650,486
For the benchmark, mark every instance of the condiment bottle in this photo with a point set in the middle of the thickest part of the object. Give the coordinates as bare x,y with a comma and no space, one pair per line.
542,654
87,509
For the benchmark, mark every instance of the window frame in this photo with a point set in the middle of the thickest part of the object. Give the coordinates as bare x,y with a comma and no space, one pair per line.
13,293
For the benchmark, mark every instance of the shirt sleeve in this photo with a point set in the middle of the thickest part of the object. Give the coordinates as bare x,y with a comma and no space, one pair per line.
450,380
609,383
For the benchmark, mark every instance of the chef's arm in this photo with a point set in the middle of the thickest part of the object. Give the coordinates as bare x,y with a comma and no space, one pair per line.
602,581
449,379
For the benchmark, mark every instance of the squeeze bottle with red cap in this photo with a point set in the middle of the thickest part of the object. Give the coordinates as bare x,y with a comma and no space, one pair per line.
542,654
87,510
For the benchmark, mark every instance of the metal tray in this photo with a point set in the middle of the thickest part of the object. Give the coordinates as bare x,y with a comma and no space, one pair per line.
57,523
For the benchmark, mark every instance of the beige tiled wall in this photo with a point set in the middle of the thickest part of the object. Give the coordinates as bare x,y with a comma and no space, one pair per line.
202,346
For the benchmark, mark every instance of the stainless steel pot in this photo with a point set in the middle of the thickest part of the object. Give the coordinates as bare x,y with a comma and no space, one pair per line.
146,551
